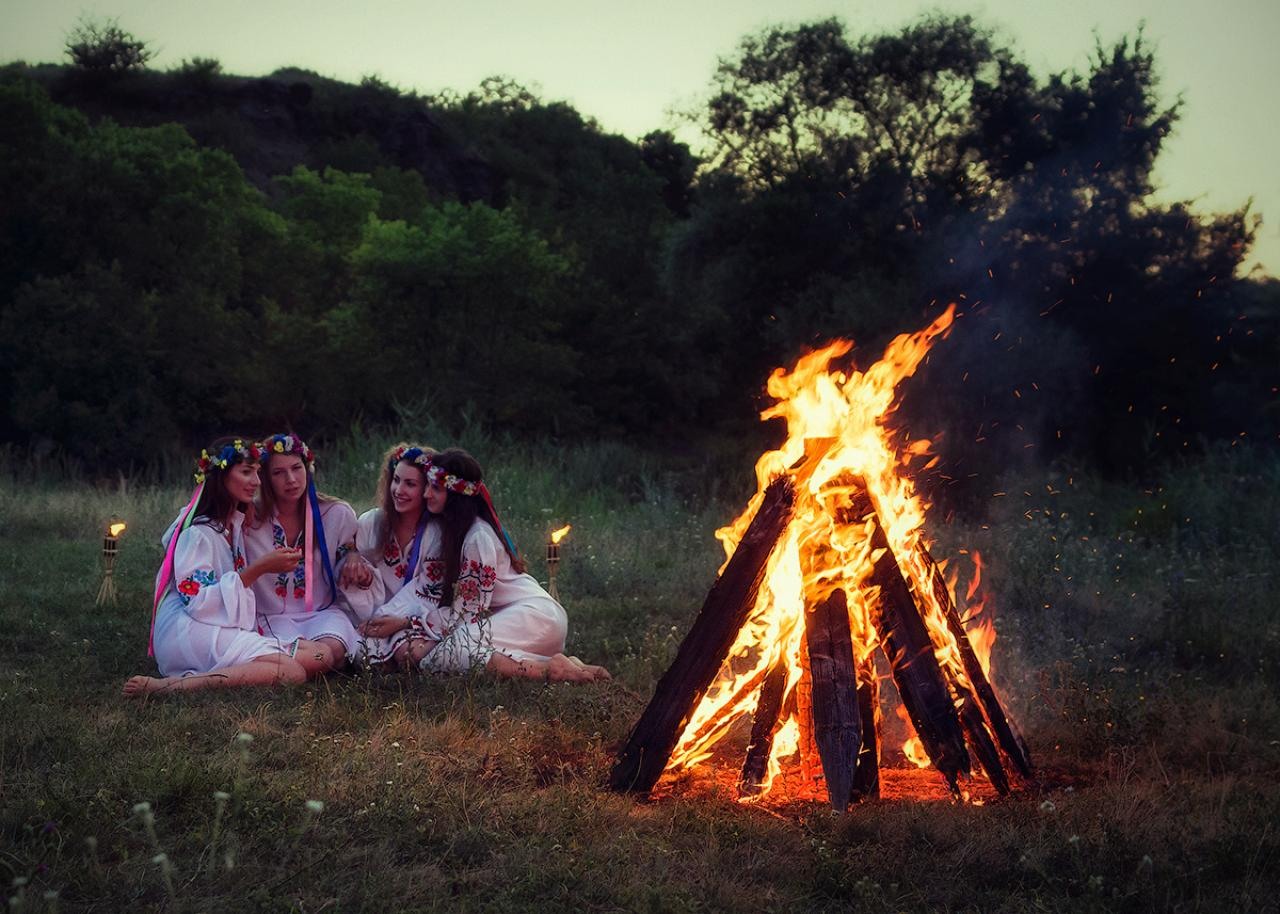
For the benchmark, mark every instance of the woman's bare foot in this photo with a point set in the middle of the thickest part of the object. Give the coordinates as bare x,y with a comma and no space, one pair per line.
562,669
142,686
597,672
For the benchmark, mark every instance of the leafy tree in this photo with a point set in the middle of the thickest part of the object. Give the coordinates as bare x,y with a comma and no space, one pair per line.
881,177
103,48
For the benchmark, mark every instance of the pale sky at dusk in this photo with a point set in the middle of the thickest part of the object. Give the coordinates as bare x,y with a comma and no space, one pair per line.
626,64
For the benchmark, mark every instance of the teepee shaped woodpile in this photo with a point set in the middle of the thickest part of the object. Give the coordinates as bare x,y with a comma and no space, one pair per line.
827,566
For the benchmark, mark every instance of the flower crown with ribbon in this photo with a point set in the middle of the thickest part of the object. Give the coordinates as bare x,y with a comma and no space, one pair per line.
231,454
419,457
291,445
438,476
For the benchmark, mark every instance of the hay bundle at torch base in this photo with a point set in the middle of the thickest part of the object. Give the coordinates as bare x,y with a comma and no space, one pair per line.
827,565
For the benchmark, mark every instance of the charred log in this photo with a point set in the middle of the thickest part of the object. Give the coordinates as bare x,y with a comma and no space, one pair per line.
763,725
906,642
837,725
1006,735
979,738
729,602
866,777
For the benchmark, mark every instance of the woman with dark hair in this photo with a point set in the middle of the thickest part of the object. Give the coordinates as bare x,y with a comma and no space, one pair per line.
393,538
203,627
479,608
306,601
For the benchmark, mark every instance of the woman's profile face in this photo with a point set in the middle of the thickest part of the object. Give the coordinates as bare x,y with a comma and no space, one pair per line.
287,477
436,496
406,488
241,481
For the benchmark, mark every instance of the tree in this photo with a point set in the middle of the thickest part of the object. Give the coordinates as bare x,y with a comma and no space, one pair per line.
103,48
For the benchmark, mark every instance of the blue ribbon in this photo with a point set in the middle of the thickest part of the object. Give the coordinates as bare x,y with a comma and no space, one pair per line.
320,543
413,551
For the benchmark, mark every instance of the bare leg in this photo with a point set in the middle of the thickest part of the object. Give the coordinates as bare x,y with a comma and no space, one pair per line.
320,656
276,669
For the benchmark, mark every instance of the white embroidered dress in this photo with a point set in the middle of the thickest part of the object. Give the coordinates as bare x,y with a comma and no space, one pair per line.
391,576
281,598
206,619
495,609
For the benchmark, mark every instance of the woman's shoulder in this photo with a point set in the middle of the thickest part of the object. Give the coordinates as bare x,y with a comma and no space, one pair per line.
202,532
370,518
337,510
481,533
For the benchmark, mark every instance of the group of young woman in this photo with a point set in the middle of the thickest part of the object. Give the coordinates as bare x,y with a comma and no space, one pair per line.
265,580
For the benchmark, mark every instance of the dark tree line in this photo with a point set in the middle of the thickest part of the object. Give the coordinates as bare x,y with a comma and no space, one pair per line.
184,252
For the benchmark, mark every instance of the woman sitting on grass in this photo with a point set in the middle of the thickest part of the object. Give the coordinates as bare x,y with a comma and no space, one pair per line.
204,629
305,601
478,607
392,537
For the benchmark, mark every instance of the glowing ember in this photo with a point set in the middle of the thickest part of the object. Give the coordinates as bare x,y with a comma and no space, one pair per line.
850,471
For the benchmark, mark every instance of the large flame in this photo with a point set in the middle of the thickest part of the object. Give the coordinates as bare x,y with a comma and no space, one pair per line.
836,429
558,535
116,529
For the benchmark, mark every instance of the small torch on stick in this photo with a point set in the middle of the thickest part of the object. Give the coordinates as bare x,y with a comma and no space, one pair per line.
110,545
553,558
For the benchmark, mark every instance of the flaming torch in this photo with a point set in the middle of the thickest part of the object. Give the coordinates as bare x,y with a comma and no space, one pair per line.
553,557
110,545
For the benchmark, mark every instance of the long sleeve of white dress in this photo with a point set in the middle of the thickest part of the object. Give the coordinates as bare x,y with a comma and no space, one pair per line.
206,619
209,591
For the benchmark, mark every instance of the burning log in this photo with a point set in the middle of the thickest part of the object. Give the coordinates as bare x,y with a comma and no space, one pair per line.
723,613
866,777
764,722
975,731
1007,737
906,642
837,724
810,766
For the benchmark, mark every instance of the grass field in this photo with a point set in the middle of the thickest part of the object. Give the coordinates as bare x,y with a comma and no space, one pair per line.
1139,649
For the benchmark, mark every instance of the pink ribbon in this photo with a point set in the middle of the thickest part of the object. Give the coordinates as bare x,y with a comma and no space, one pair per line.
166,568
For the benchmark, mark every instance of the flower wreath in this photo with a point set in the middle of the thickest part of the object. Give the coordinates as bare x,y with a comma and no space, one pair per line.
419,457
438,477
231,454
293,445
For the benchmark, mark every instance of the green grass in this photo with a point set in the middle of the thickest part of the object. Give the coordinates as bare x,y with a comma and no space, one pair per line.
1138,649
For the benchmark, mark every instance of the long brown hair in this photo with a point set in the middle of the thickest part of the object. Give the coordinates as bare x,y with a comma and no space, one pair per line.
460,512
216,505
382,495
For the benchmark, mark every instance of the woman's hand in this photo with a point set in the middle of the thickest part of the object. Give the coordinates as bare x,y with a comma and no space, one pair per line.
279,561
356,572
384,626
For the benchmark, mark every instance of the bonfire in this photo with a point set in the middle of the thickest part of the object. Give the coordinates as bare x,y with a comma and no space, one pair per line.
827,566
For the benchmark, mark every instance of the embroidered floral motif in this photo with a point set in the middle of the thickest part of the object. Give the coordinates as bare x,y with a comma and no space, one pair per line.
391,554
468,590
238,561
344,550
189,586
299,573
433,569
